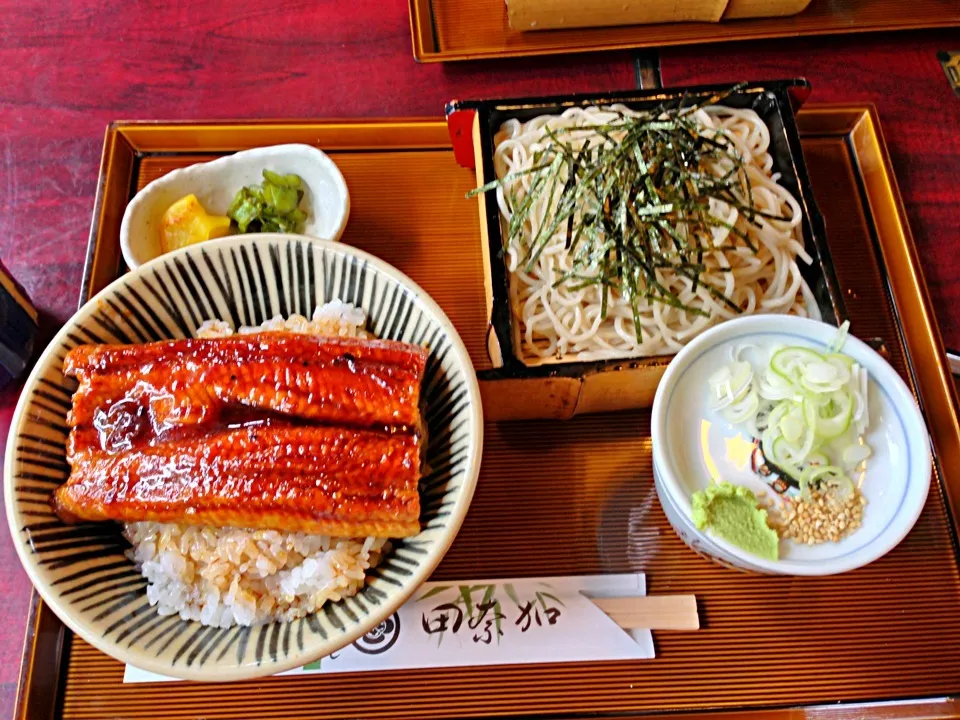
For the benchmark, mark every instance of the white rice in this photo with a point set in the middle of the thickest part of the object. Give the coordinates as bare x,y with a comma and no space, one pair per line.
336,318
232,576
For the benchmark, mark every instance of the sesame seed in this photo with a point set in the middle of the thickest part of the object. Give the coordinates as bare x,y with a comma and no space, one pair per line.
819,516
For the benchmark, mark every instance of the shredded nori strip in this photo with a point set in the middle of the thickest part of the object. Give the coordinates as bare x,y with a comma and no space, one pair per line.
620,204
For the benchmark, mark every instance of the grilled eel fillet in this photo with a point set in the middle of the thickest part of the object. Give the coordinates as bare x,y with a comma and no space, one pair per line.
224,432
346,381
321,480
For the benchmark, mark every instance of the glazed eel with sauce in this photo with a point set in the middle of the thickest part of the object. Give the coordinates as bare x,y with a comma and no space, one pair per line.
270,431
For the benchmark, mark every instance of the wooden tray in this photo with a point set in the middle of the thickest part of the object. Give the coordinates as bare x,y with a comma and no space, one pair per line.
577,496
445,30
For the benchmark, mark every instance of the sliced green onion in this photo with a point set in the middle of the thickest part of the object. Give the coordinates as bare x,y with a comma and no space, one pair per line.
828,475
829,417
746,408
787,362
792,427
776,387
823,376
730,384
809,409
840,338
841,359
856,454
779,453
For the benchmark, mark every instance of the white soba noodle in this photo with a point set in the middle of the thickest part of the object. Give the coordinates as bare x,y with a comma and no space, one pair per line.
564,321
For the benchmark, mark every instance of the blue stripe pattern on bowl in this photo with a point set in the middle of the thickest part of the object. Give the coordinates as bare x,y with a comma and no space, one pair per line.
81,570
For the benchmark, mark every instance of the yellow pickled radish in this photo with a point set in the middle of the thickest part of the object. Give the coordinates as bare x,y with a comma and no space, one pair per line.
186,222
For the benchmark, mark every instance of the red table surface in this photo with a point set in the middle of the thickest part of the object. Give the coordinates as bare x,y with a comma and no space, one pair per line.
68,67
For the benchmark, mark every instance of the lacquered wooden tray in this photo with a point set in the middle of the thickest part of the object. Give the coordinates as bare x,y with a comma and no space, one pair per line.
445,30
577,497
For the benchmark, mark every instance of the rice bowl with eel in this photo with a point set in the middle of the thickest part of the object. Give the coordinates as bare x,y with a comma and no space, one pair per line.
83,571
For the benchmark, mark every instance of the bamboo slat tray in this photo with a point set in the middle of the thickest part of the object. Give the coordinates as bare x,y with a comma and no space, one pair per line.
445,30
577,497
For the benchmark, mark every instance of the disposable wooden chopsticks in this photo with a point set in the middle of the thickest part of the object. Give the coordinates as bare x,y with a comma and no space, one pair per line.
652,612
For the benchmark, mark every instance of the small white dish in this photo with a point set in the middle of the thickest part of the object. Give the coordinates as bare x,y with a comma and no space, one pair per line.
215,183
692,443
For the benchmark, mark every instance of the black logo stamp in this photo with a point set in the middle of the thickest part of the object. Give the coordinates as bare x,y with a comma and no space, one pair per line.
383,637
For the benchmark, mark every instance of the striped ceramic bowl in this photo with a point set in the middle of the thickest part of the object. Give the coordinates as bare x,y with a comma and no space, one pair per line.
81,571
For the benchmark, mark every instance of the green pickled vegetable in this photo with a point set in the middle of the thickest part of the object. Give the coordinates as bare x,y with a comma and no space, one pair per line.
273,206
287,181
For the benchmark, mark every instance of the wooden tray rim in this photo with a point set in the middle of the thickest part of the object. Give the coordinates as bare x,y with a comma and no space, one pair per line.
426,43
126,141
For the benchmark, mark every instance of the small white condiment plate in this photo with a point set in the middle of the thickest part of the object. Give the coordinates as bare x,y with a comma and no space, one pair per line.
693,443
215,183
